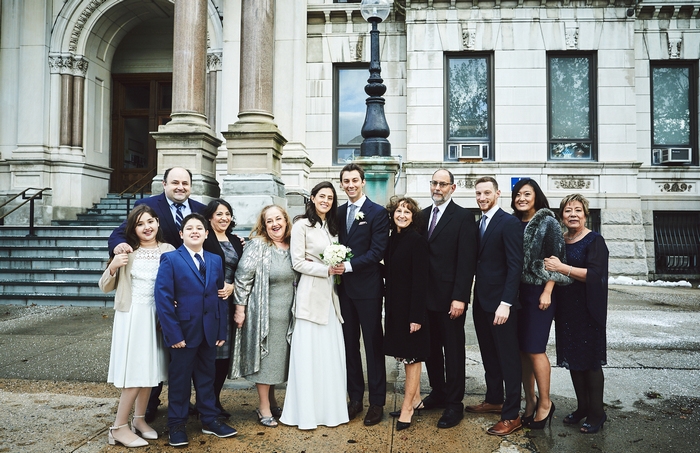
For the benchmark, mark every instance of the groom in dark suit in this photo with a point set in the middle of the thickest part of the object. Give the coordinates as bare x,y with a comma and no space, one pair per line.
364,228
171,206
451,237
498,270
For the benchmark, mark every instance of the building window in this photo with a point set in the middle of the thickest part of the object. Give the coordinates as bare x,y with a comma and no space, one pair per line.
674,113
469,108
571,95
349,114
677,242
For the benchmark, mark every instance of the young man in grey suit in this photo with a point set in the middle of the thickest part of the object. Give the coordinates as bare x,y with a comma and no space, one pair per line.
451,235
498,269
364,228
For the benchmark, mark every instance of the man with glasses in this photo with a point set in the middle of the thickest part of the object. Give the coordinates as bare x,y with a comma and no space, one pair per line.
452,244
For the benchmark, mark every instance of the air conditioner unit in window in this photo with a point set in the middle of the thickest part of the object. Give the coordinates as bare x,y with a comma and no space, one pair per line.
468,151
672,155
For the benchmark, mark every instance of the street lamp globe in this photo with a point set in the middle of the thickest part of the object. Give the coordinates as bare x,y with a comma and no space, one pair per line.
375,9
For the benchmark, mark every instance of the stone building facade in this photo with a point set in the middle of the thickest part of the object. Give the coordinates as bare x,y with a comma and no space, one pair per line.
597,97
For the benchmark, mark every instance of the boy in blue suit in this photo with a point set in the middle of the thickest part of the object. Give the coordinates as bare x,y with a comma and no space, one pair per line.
193,327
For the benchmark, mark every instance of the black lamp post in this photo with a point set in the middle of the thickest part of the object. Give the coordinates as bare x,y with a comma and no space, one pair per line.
375,130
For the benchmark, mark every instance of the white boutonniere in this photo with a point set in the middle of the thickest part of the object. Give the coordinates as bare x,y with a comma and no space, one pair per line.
359,215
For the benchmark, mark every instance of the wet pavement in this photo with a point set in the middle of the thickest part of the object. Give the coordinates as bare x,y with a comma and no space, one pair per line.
53,364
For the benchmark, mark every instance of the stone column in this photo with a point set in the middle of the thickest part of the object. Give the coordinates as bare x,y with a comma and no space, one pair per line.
254,142
187,140
79,70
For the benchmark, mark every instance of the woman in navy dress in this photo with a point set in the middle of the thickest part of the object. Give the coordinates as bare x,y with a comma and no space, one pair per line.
542,238
581,313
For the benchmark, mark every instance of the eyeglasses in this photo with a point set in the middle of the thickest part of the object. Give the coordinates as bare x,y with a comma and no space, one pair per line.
442,184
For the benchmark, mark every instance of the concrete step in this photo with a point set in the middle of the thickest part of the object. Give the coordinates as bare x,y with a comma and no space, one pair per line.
53,241
80,251
68,289
104,300
53,263
74,231
91,276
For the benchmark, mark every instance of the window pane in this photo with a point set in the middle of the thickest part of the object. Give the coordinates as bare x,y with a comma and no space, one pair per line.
137,96
468,113
570,98
135,142
671,105
351,106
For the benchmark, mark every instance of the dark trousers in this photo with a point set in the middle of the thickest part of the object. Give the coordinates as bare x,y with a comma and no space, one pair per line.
445,365
365,314
500,355
189,365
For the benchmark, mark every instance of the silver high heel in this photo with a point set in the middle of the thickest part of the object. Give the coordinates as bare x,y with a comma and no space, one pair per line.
138,442
151,435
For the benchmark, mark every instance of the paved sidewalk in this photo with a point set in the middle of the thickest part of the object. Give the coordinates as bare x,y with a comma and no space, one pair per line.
53,364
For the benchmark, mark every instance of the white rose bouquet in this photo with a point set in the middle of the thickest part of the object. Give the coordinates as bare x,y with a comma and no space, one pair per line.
334,254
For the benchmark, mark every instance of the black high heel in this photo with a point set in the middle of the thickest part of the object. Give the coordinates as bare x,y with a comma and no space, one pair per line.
527,419
416,411
573,418
541,424
586,428
400,426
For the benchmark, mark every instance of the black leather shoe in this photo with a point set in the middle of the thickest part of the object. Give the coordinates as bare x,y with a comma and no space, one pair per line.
430,402
354,408
374,415
450,418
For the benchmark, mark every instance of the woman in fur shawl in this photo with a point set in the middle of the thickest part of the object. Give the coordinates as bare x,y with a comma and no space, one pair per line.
542,239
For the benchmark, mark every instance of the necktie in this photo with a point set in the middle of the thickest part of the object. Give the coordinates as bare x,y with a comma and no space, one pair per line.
178,214
482,227
202,266
351,216
433,222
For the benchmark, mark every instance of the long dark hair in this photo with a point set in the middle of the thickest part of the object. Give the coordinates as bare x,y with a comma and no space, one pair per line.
331,216
540,198
134,216
209,211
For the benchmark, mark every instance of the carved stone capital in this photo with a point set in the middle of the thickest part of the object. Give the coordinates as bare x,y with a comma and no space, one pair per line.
356,44
675,42
79,66
214,61
571,36
468,36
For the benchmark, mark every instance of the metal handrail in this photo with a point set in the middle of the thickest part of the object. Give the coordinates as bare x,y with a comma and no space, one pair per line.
27,199
132,194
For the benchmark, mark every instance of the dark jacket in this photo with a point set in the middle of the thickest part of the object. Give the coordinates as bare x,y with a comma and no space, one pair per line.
543,238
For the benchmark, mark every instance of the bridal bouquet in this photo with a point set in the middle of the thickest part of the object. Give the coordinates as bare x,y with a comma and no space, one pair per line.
334,254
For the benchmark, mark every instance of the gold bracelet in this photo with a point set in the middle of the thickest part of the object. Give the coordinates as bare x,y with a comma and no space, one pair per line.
569,274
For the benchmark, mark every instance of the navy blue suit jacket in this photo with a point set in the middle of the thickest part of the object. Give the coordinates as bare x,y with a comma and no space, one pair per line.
368,239
500,262
452,256
160,205
200,314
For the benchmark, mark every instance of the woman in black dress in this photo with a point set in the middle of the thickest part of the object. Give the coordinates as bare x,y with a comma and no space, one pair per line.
542,239
581,313
406,331
227,245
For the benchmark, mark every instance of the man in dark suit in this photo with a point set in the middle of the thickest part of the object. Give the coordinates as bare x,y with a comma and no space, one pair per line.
171,206
364,228
498,270
193,329
451,234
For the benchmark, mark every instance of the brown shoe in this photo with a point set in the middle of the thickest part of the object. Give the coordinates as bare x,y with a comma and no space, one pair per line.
374,415
354,408
485,408
505,427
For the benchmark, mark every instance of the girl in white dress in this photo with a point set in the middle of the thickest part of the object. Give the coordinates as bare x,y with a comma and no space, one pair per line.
137,360
317,377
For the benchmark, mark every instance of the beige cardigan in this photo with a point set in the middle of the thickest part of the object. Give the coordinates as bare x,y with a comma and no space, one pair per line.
121,280
315,286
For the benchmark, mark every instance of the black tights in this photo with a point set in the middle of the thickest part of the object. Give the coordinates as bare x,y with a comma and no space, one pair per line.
588,386
220,375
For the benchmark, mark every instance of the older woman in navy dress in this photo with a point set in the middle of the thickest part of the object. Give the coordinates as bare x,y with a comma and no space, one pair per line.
542,238
581,313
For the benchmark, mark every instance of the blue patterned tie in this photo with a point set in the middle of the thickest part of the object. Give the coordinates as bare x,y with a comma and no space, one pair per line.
482,227
433,222
202,266
351,216
178,214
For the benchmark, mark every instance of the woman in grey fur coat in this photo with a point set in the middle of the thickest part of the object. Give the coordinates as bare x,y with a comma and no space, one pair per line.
542,239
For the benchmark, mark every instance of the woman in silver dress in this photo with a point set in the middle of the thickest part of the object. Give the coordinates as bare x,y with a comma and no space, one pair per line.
264,298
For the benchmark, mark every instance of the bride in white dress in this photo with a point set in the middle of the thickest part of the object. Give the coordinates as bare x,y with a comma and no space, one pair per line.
137,360
317,378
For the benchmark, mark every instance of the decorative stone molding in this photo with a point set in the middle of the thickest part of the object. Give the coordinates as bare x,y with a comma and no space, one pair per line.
80,23
468,36
68,64
675,42
466,183
356,45
79,66
571,36
214,61
572,183
675,187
